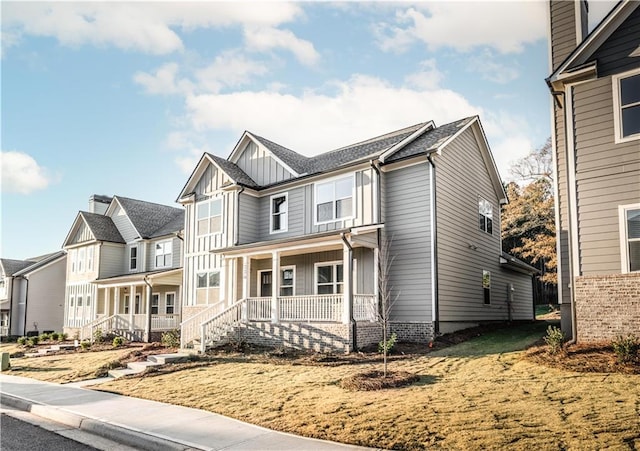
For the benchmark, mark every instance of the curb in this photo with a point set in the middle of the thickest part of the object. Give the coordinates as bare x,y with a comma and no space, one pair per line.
119,434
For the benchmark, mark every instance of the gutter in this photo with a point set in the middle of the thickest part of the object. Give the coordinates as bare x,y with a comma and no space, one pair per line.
236,226
26,297
354,328
375,167
434,250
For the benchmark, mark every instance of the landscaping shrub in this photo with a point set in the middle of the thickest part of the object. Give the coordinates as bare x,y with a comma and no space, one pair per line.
44,336
118,341
388,346
171,339
554,339
55,336
34,340
85,345
63,336
22,341
626,348
97,336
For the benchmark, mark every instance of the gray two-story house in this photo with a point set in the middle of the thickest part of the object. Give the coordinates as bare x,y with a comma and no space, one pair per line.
286,249
595,87
124,268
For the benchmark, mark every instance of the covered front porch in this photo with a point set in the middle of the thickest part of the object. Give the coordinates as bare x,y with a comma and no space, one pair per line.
136,305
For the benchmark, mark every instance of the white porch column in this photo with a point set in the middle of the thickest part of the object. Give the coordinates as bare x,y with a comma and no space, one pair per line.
147,324
246,276
347,274
116,309
132,305
275,286
107,302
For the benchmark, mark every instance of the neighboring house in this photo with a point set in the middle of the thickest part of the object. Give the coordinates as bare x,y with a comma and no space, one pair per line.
283,249
124,271
595,85
32,294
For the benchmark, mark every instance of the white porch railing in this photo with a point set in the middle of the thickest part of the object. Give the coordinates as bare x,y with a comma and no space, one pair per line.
319,307
190,328
4,331
365,307
165,322
259,309
218,326
122,322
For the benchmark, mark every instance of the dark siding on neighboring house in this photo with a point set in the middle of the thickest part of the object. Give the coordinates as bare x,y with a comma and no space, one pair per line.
614,55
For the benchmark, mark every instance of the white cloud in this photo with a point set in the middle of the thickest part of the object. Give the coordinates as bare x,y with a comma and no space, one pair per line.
489,68
141,26
21,173
428,77
230,68
268,38
463,26
163,81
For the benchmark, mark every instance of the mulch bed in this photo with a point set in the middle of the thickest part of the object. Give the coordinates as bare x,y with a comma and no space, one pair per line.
375,380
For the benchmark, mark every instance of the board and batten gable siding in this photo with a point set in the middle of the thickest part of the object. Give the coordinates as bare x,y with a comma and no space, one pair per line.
249,218
82,234
260,165
607,175
464,250
614,56
111,256
123,224
408,228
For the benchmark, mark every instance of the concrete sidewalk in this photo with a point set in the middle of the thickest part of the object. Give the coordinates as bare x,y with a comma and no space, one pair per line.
146,424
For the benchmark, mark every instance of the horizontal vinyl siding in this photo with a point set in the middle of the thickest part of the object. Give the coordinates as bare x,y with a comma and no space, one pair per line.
562,229
249,218
296,214
607,175
461,178
123,224
111,258
408,227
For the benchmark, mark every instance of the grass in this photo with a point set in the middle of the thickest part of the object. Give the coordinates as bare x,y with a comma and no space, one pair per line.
479,394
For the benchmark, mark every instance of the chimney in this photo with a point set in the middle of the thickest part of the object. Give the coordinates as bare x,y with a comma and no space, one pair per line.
99,204
569,27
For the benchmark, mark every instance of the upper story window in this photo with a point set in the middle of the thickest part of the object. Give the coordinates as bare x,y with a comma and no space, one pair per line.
209,215
485,215
164,254
626,110
329,278
2,286
74,256
90,258
209,279
630,237
133,258
486,286
334,199
279,213
81,257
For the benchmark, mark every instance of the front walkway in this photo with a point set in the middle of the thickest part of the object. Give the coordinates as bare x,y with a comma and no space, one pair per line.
147,424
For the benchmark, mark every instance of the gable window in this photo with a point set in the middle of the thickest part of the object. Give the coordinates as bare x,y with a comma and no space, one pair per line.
209,279
90,258
170,301
155,301
626,93
279,213
485,216
630,237
209,216
133,258
164,255
486,286
81,257
334,199
329,278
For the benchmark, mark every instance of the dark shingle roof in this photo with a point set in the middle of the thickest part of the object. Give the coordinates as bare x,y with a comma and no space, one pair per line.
41,261
13,266
233,171
294,160
102,227
152,220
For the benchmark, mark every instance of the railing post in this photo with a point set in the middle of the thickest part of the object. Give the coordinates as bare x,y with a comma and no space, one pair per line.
202,338
275,286
347,272
245,307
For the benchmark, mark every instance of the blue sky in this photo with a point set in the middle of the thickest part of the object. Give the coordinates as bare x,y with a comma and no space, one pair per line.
123,97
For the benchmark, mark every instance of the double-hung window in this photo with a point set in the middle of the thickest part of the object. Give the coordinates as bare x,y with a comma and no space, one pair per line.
334,199
630,237
209,216
155,301
170,300
133,258
329,278
626,110
74,259
90,258
486,287
279,213
164,254
81,257
485,215
209,279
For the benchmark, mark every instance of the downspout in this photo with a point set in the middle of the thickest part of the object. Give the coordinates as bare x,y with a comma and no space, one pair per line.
150,291
9,282
434,243
354,329
237,222
26,297
574,322
375,167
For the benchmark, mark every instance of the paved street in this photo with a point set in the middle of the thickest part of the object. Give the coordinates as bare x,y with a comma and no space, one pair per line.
18,435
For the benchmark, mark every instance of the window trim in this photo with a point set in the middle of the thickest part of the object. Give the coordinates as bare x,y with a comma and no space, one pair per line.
617,107
624,240
74,260
207,273
82,253
334,264
484,289
282,268
137,248
333,180
173,305
286,214
157,306
155,254
209,201
90,258
480,199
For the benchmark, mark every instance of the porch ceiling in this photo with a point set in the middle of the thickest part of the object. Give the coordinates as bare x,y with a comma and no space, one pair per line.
165,277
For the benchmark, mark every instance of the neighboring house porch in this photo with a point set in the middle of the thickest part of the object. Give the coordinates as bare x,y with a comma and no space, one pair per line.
313,290
134,306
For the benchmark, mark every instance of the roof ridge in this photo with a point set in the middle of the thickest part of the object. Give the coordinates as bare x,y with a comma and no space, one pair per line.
145,202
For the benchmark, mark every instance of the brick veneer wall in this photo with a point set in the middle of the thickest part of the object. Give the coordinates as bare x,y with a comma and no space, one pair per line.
607,306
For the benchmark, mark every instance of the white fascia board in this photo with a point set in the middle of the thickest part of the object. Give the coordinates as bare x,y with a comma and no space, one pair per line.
598,36
195,175
387,153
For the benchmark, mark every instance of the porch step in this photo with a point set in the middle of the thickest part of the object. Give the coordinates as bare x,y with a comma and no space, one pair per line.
152,361
161,359
141,366
61,347
122,372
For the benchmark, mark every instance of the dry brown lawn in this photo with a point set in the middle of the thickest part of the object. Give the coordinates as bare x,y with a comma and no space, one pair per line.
475,401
